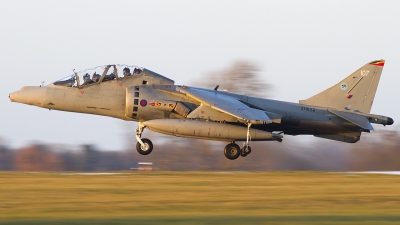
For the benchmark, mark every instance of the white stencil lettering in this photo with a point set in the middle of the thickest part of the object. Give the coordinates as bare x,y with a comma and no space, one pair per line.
364,73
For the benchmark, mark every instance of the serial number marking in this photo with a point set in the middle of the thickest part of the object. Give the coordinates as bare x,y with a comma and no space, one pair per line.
308,109
364,73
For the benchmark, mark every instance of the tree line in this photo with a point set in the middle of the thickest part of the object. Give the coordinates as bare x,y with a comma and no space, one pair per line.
379,151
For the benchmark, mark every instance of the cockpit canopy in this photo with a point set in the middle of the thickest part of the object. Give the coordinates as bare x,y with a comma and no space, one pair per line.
99,74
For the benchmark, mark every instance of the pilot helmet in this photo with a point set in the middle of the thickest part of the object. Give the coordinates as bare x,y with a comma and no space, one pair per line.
86,76
126,69
137,71
95,76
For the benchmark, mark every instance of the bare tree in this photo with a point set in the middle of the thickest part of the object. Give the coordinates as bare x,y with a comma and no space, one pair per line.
241,77
37,158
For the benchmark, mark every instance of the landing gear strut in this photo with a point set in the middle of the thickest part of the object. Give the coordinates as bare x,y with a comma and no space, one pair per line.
144,146
232,150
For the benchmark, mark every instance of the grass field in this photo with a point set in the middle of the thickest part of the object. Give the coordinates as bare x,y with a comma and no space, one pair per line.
199,198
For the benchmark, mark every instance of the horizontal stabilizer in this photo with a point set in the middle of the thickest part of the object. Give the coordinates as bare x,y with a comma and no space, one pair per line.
358,120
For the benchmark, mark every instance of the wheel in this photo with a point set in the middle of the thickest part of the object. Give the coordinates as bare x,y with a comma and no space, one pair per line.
148,147
232,151
247,150
243,153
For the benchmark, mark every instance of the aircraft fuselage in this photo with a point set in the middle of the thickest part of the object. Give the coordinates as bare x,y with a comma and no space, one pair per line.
110,99
339,113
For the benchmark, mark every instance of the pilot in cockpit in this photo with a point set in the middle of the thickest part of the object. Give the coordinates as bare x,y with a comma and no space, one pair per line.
137,71
96,77
127,72
87,79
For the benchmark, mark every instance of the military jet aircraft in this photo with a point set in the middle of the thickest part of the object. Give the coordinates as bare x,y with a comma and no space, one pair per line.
341,112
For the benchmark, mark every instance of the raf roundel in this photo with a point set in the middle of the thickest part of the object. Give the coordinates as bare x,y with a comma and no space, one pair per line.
143,102
343,86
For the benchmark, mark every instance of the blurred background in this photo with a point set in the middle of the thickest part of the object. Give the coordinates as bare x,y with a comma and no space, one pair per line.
284,50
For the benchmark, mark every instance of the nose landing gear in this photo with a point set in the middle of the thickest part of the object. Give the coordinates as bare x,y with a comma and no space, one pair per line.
144,146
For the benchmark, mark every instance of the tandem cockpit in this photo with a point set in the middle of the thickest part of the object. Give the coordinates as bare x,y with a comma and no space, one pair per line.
99,74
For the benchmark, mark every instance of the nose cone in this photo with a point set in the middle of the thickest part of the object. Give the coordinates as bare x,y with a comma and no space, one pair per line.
29,95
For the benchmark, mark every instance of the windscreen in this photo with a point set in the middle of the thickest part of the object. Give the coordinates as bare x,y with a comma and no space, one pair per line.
99,74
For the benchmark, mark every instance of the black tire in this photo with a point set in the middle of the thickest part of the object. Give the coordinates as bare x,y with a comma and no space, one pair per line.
247,150
243,153
232,151
148,147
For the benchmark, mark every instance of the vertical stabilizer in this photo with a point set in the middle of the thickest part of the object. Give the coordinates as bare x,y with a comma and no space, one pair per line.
354,93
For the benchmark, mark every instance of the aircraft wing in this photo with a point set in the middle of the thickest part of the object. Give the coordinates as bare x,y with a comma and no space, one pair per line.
227,104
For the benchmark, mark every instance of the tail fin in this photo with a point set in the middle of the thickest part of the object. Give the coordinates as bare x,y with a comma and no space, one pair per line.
356,92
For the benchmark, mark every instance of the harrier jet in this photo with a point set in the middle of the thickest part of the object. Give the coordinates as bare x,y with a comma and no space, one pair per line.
341,112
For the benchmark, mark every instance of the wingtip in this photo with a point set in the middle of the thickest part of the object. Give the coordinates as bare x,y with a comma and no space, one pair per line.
378,62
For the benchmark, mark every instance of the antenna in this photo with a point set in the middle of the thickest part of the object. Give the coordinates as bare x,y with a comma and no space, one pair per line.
216,87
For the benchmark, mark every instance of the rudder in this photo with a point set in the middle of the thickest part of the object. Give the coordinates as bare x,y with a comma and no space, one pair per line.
354,93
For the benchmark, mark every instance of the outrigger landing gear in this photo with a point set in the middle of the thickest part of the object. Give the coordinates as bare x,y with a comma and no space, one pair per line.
232,150
144,146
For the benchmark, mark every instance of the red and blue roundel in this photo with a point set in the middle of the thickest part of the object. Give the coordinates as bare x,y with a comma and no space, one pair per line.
143,102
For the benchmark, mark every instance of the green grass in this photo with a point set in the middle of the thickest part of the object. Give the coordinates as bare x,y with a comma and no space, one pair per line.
199,198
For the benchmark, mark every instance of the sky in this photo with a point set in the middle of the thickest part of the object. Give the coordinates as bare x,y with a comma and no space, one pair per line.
301,47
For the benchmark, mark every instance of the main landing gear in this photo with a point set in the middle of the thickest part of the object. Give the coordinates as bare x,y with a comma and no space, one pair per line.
232,150
144,146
